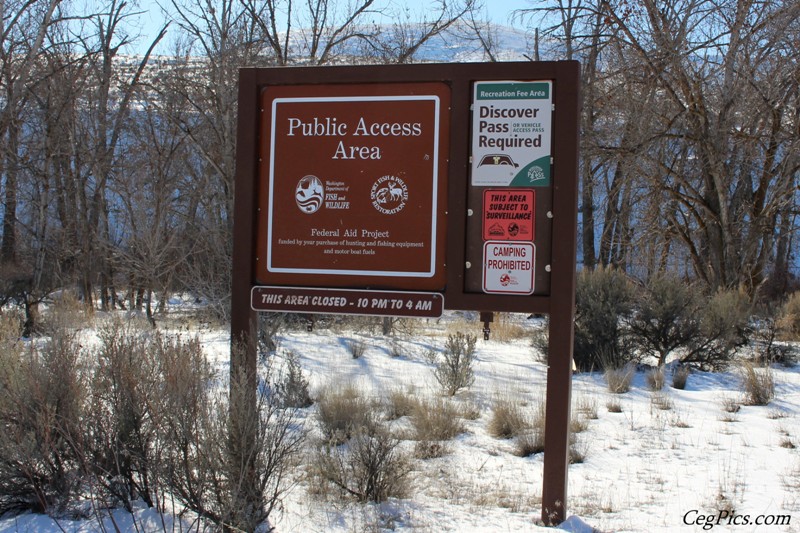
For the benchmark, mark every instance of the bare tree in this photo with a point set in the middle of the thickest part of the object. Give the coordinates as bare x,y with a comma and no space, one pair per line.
401,41
23,27
574,29
727,77
311,31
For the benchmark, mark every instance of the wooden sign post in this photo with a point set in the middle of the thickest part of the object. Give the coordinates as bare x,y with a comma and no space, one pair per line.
405,190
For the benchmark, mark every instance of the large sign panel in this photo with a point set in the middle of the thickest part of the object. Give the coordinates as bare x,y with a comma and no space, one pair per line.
512,133
354,185
404,190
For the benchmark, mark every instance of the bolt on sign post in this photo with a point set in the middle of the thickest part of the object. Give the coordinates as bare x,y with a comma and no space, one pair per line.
405,190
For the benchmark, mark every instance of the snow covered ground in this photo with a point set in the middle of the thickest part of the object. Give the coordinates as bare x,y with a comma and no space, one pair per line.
668,461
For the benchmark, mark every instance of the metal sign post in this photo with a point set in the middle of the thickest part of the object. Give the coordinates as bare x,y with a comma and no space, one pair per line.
405,190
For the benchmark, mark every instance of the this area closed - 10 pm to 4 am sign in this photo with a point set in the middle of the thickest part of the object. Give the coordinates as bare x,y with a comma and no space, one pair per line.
355,186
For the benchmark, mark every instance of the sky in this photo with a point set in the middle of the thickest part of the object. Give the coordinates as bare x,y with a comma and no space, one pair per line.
499,12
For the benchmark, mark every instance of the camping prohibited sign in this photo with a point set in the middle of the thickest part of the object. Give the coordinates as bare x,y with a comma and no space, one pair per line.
508,268
512,133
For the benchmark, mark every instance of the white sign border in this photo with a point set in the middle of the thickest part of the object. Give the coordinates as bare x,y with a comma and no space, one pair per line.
402,274
533,266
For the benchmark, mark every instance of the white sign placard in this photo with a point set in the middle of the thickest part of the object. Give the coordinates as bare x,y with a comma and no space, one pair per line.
508,267
512,133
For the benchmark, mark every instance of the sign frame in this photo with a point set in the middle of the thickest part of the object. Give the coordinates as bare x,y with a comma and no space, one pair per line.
556,242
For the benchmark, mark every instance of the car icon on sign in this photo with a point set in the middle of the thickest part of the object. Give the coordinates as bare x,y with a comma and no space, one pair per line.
497,159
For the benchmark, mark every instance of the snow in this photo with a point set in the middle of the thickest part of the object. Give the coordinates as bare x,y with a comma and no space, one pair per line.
666,459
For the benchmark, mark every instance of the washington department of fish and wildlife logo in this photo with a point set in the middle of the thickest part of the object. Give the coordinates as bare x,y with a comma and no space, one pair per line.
389,195
309,194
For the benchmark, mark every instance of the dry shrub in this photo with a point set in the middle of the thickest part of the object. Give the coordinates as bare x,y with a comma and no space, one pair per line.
395,349
232,474
436,419
342,412
578,424
758,385
578,450
42,392
729,405
540,341
619,379
667,318
291,386
402,402
765,342
789,318
506,328
680,375
508,419
356,347
655,378
661,401
614,405
531,441
587,407
603,296
433,423
65,313
10,330
469,410
454,371
723,326
124,413
369,468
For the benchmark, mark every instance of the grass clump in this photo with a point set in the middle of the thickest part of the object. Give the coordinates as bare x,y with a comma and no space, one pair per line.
531,440
401,402
655,378
680,375
508,419
618,379
758,385
433,423
614,405
342,412
789,318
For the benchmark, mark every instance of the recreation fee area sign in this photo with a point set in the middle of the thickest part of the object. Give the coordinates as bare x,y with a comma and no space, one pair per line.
410,189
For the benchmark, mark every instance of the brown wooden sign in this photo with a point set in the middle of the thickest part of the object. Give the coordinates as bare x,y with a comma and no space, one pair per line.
353,185
404,189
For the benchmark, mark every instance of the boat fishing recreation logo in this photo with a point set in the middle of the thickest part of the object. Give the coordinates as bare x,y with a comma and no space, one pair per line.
309,194
389,194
